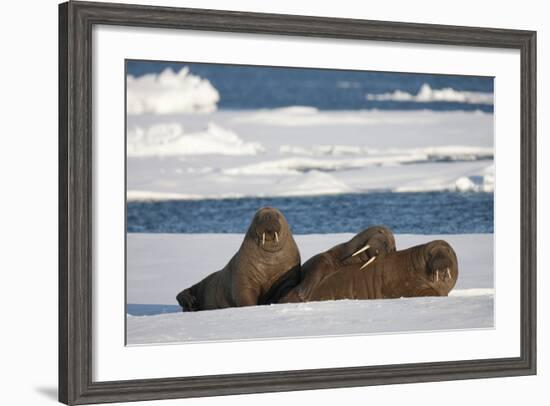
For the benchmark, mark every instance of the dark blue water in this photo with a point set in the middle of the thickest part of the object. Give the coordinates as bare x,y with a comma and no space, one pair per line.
252,87
151,309
416,213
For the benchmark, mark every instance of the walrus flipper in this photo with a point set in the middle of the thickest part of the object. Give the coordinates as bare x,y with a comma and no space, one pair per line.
187,301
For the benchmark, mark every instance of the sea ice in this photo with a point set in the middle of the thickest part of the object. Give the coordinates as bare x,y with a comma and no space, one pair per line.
160,265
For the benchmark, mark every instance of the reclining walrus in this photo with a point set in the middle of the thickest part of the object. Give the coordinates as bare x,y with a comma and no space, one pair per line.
369,245
266,255
424,270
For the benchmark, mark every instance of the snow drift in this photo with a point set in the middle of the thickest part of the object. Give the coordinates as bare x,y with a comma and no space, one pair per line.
170,139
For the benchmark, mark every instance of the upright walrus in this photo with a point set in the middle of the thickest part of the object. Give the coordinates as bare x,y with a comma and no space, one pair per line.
367,246
424,270
267,254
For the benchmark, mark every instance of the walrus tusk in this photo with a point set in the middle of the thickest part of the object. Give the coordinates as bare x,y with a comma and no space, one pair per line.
368,262
437,275
276,236
263,238
366,247
449,273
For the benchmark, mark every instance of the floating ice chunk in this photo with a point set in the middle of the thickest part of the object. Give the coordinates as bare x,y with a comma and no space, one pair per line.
170,92
484,182
428,95
171,140
465,184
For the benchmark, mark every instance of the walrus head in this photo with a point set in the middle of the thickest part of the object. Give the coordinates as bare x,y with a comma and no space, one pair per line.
441,269
269,229
429,269
368,245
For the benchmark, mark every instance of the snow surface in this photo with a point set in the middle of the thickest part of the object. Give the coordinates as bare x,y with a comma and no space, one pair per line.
298,151
343,317
160,265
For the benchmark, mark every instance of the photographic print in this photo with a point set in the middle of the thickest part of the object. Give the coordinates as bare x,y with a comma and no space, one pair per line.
275,202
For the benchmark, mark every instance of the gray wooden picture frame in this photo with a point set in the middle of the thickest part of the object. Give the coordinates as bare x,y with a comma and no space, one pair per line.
76,20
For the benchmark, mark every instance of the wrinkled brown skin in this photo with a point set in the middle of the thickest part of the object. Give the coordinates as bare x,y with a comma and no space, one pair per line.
249,276
406,273
322,266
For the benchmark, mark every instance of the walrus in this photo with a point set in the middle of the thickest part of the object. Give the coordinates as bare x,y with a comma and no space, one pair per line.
364,248
267,253
424,270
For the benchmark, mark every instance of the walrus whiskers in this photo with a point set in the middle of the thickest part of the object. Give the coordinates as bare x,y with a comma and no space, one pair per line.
368,262
263,239
366,247
276,237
